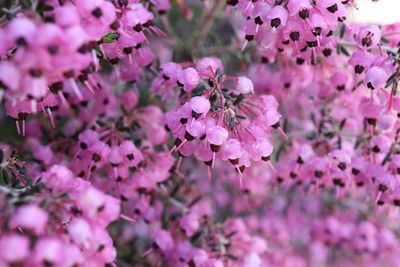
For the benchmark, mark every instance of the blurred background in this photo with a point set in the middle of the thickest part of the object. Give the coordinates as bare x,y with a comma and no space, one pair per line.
379,11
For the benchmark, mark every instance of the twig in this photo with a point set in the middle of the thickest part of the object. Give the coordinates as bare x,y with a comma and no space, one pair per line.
208,21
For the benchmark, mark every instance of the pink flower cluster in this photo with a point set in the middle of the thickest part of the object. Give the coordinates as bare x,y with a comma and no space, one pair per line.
65,226
220,116
52,58
137,102
301,28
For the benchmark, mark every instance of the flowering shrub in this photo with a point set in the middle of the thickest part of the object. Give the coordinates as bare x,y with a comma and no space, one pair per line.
198,133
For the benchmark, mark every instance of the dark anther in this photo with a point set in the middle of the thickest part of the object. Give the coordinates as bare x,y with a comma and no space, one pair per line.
275,22
382,187
266,158
300,160
318,173
359,69
138,27
300,61
342,166
258,20
327,52
232,2
83,146
317,31
215,148
115,25
249,37
234,161
376,149
97,12
366,41
333,8
295,36
96,157
36,73
188,136
340,88
128,50
304,13
53,49
312,44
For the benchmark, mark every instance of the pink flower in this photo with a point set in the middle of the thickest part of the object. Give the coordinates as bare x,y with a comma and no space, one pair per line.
48,250
30,217
14,248
189,223
375,78
245,85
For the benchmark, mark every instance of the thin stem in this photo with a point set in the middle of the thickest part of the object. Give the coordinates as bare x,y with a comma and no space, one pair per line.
208,22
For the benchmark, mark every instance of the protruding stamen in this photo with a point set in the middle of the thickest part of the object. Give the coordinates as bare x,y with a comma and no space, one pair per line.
89,87
115,172
34,105
130,59
283,133
240,176
272,166
102,51
378,196
178,165
117,71
181,144
127,218
63,100
95,60
76,89
147,252
390,103
18,129
172,150
213,160
89,170
51,118
244,46
23,127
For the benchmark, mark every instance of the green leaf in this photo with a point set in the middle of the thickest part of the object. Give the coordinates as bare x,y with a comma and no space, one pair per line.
120,125
226,95
27,4
384,40
391,80
342,50
109,38
101,123
342,124
6,177
239,99
199,90
342,31
212,99
219,74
